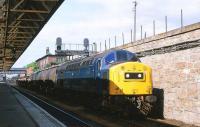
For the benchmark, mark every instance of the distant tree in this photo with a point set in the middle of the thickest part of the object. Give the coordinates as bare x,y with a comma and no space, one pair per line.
50,64
33,65
53,63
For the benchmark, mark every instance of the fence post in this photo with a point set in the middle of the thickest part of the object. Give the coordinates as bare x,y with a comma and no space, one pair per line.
123,37
100,46
105,45
181,19
145,35
165,23
154,29
115,41
141,31
131,36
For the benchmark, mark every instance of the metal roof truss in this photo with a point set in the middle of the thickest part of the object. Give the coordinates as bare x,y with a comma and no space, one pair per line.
20,22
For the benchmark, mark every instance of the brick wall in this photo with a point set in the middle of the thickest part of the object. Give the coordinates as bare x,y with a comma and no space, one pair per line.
176,73
42,63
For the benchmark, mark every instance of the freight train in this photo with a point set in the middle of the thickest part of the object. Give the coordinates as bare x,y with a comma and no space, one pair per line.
105,77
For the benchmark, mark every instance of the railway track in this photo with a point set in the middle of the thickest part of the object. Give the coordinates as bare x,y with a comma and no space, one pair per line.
72,121
66,118
151,123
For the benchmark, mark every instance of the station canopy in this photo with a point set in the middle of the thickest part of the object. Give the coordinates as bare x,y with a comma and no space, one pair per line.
20,22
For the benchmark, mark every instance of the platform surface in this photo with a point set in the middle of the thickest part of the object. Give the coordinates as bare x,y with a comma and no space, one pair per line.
12,113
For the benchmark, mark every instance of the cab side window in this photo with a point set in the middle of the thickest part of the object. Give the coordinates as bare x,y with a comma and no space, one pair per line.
121,56
110,58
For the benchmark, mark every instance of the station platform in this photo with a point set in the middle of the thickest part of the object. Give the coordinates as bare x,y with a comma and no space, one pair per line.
18,111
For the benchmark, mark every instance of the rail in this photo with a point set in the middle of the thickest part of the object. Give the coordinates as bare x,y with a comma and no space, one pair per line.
66,118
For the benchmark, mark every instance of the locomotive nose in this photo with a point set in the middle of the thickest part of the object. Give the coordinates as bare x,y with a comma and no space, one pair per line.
130,78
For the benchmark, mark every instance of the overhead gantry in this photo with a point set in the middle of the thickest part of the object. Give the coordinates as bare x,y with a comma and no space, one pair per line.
20,22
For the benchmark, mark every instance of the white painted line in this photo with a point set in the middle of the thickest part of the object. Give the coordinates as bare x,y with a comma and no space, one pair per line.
47,119
61,110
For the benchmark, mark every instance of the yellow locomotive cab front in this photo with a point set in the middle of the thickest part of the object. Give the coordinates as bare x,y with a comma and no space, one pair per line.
130,78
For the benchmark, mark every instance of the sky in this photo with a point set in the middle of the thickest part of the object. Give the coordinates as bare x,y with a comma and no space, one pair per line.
99,20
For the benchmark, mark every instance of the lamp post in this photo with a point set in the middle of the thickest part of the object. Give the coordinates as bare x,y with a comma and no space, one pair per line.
134,11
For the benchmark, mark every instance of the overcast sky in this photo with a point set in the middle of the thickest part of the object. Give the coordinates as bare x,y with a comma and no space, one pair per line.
99,20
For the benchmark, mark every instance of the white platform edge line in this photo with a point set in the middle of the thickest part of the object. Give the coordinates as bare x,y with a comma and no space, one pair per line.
37,106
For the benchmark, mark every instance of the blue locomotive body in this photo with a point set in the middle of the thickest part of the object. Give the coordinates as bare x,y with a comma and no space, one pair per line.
91,74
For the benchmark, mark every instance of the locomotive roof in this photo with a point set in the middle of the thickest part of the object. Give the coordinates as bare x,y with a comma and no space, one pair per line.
47,68
81,60
93,57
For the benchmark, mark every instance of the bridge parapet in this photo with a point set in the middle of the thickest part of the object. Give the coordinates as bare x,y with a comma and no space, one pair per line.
186,34
14,71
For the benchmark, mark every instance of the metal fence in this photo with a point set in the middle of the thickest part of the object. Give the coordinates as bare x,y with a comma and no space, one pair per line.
130,37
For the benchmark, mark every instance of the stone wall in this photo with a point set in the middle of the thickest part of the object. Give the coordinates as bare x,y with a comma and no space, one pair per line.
177,73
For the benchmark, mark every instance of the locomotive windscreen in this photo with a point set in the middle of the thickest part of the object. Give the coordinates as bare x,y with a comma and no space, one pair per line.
126,56
120,56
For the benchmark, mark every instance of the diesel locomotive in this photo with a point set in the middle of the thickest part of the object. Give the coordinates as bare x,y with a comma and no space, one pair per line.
105,77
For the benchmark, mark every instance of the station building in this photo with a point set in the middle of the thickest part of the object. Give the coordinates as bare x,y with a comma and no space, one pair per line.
50,60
